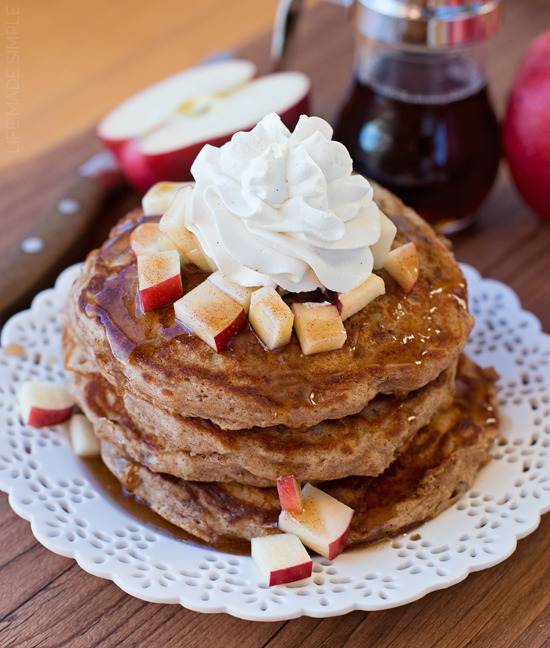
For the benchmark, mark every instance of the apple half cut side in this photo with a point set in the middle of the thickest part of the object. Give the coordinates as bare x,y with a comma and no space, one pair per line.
211,315
43,403
403,265
323,525
159,279
281,558
157,133
290,494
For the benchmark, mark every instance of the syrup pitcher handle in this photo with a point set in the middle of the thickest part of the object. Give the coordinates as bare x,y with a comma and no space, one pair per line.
284,27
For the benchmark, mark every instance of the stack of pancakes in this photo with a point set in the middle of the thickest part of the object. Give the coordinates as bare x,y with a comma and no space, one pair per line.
395,424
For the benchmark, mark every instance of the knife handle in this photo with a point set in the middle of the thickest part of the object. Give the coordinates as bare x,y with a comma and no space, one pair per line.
52,241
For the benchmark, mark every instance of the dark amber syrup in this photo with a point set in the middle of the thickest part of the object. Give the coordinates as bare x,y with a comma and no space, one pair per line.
437,150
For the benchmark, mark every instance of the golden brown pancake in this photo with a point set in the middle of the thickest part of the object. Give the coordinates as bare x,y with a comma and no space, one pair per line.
197,449
438,465
397,344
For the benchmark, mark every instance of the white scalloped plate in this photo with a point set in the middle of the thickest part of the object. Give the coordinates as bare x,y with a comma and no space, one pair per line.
52,488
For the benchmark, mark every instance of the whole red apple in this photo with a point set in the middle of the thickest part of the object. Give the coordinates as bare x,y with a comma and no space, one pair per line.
526,129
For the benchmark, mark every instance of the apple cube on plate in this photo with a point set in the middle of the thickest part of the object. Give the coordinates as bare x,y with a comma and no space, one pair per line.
290,494
159,197
382,247
211,315
318,326
323,525
237,292
270,317
403,265
148,239
43,403
159,279
83,438
281,558
354,300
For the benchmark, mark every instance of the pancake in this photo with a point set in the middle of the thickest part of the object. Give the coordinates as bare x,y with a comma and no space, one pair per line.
197,449
397,344
437,466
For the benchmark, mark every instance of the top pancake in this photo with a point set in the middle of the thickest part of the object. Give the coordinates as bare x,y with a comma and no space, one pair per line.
398,343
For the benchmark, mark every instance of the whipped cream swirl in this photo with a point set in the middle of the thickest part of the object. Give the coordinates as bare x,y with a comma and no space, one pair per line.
272,207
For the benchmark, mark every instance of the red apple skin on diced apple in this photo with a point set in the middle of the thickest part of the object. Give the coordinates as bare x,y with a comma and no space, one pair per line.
44,404
159,279
40,417
211,315
281,558
291,574
165,292
323,525
290,494
403,265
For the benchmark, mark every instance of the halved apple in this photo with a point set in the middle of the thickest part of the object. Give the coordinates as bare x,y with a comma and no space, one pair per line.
43,403
318,326
237,292
147,238
159,279
403,265
281,558
323,525
159,197
270,317
290,494
354,300
157,133
211,315
83,438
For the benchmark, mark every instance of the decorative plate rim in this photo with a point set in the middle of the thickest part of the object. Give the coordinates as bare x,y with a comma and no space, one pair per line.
70,515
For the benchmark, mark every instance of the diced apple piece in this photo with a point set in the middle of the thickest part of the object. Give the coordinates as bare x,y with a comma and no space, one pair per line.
173,225
237,292
318,326
83,438
211,315
159,279
281,558
382,247
43,403
353,301
199,258
270,317
403,265
159,197
290,494
323,525
148,239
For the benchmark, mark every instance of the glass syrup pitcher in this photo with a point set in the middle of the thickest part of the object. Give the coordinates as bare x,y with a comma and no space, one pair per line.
418,119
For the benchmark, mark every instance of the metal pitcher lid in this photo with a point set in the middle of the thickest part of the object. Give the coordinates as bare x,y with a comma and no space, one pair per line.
428,23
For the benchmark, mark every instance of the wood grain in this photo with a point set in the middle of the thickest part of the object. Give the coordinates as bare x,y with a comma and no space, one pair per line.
47,600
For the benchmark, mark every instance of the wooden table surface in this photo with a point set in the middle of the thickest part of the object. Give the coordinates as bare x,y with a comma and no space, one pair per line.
46,599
